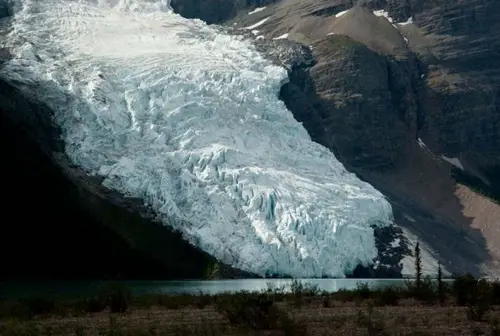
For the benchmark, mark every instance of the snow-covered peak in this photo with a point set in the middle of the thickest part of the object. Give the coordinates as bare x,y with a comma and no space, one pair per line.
187,119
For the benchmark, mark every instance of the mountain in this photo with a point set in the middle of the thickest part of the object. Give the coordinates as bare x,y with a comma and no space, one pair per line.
405,93
181,122
402,93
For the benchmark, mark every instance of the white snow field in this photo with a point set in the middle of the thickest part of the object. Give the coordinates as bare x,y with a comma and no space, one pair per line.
187,118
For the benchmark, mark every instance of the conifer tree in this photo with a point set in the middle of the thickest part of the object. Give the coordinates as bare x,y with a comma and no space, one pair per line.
418,266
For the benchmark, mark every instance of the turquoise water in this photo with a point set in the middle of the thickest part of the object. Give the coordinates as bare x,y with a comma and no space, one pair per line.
26,289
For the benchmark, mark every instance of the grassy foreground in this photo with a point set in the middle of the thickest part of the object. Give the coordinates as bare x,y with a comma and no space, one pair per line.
466,307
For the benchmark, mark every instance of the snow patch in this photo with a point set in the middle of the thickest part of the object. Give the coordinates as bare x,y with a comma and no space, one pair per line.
339,14
383,13
255,32
421,143
410,218
258,24
186,118
281,37
407,22
256,10
396,243
454,161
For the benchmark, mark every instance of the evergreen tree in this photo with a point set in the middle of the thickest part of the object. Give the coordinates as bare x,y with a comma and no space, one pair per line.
440,284
418,266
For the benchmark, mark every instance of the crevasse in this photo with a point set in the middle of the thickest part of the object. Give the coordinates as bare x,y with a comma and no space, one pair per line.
188,119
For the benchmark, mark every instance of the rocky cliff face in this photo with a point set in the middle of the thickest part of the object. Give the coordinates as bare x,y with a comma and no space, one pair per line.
215,11
395,86
460,44
342,102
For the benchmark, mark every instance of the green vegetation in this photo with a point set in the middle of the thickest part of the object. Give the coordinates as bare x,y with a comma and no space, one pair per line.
342,42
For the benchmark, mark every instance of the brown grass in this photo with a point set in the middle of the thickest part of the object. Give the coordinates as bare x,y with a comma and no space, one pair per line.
311,318
469,307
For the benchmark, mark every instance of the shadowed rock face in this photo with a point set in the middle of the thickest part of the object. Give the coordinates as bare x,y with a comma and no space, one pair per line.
358,106
45,233
214,11
460,43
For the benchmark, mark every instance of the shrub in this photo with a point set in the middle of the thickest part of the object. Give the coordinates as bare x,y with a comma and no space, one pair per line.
495,293
39,305
13,309
300,290
93,304
290,327
464,288
203,301
117,296
388,296
277,294
169,302
363,291
327,303
254,311
476,312
479,302
373,327
494,327
427,291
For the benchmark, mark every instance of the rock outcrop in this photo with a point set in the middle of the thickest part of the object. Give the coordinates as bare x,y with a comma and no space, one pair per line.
214,11
355,106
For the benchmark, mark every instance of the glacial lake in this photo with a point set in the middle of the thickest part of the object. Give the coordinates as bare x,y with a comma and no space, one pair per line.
73,288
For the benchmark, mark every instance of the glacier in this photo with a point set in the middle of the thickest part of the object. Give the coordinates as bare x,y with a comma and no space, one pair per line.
187,118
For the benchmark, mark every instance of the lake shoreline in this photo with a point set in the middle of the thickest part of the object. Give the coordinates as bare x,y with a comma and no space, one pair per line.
423,307
19,289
